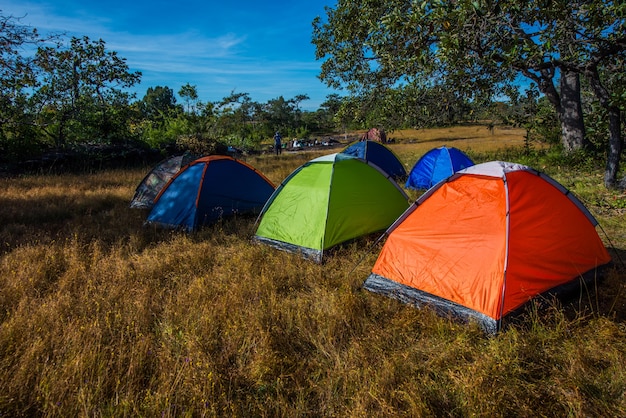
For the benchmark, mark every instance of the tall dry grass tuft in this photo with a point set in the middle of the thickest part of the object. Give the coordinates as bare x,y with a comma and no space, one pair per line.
102,316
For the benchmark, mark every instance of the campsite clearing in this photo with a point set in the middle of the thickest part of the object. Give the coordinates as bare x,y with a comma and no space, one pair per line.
102,316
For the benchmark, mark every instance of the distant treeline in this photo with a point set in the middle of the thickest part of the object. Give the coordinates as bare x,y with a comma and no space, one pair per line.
62,96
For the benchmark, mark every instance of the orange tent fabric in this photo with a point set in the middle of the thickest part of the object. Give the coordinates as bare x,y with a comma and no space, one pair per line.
485,242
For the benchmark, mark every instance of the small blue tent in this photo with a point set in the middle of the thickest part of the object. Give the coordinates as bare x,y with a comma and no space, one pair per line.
208,189
436,165
379,155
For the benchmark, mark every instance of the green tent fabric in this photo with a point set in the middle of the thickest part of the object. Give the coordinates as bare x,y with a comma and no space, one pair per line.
327,201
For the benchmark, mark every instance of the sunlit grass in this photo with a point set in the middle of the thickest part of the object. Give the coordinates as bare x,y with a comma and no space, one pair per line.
102,316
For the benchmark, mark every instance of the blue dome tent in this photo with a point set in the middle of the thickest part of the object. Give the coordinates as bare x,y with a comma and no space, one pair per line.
379,155
436,165
208,189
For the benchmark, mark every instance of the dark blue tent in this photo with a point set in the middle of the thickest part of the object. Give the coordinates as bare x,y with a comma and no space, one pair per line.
436,165
379,155
208,189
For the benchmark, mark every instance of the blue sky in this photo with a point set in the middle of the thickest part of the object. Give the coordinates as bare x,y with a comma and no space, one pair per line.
255,47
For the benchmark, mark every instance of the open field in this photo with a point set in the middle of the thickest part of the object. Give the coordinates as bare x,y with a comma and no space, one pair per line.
101,316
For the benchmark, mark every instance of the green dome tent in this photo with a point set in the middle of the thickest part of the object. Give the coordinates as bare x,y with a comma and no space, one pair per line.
327,201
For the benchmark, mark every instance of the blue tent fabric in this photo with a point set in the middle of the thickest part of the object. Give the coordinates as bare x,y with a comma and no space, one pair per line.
436,165
379,155
157,178
208,189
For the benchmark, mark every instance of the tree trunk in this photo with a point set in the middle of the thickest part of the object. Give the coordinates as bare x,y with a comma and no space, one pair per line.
615,149
571,113
568,106
615,137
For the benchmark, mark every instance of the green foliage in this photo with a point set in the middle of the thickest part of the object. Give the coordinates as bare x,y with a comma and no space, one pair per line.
543,125
158,103
79,87
72,93
302,132
20,143
199,145
596,125
16,70
189,94
76,96
477,49
166,133
597,114
18,75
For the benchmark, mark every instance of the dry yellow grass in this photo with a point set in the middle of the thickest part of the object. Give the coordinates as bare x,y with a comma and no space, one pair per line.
101,316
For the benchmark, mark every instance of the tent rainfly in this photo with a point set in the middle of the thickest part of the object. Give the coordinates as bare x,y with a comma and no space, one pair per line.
328,201
208,189
436,165
482,244
377,154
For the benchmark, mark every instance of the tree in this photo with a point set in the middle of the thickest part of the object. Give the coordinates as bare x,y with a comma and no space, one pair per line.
611,93
189,94
240,120
18,77
284,114
158,103
532,112
79,85
477,46
15,71
329,113
296,103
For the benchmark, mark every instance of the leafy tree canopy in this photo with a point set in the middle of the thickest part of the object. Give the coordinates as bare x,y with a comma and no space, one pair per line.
158,102
479,47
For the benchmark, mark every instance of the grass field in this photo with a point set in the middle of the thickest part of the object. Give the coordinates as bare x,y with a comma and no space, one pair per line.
101,316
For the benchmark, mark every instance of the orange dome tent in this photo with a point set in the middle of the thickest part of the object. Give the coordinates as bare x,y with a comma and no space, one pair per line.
486,241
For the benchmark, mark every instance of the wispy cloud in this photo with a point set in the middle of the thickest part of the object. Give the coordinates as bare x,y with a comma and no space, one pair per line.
188,44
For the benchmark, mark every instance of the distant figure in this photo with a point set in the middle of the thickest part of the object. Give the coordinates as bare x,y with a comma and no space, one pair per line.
278,146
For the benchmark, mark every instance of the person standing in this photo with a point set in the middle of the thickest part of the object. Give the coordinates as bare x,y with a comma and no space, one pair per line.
278,146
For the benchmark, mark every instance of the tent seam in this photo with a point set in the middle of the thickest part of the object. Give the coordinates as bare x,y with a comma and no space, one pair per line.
506,251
